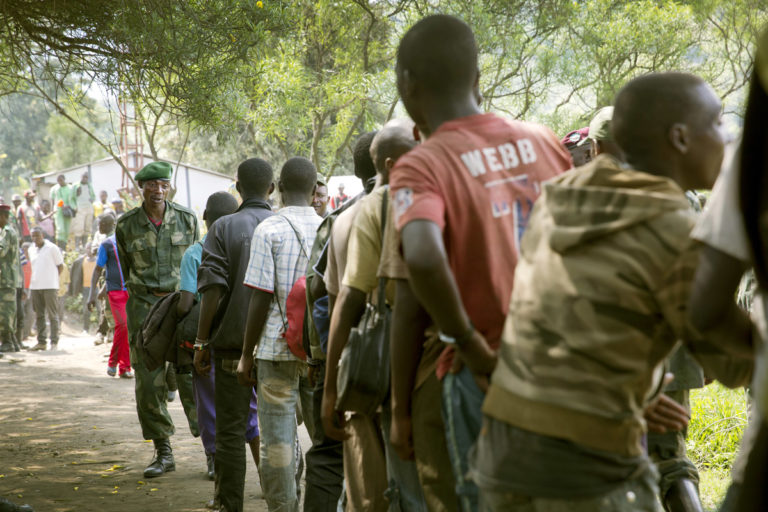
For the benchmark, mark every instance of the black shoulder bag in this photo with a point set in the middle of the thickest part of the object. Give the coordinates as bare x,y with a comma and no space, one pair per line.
363,378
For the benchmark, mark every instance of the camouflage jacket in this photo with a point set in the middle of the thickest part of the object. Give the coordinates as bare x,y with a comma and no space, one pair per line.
150,257
599,301
9,258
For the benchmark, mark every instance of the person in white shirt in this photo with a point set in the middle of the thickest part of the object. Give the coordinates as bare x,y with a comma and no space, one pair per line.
47,263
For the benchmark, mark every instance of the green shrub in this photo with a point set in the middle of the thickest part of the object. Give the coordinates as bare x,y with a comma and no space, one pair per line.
718,419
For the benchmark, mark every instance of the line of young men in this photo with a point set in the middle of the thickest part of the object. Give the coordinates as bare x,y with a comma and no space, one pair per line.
594,298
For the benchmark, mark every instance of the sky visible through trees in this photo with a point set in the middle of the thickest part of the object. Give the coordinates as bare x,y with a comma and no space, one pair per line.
217,81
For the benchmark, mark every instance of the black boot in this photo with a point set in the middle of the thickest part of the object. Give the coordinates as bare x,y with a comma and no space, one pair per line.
683,496
7,346
163,461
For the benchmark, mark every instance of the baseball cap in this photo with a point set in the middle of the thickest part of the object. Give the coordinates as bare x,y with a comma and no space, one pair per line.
29,193
16,197
600,126
576,137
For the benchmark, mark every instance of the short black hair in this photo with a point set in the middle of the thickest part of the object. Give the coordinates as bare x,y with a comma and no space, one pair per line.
361,155
440,53
647,107
298,175
218,205
109,216
255,176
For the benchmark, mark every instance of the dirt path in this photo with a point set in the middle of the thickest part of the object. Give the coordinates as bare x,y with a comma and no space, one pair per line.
70,439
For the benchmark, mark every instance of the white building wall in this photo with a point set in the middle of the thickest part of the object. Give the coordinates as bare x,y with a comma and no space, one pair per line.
193,185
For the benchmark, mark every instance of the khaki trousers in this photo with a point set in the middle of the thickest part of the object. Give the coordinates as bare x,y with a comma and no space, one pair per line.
365,468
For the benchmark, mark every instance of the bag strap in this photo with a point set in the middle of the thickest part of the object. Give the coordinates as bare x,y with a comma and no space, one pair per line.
380,306
301,244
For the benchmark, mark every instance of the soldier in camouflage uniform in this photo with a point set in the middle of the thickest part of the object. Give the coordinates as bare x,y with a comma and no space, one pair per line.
9,280
151,239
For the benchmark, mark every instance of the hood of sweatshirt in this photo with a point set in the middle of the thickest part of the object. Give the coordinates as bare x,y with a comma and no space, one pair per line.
601,198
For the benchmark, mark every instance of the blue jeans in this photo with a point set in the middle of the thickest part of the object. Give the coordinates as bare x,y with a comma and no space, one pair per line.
462,414
281,386
404,492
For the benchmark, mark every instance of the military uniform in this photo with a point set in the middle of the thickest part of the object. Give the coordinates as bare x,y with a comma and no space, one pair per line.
10,279
151,258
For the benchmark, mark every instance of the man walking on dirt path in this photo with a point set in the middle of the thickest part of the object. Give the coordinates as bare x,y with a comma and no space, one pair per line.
47,264
151,239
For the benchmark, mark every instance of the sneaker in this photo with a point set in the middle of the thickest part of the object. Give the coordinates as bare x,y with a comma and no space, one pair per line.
171,396
126,375
54,346
85,333
39,346
111,371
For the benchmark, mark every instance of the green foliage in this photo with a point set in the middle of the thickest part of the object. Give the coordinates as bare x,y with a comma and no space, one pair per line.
718,419
213,82
713,484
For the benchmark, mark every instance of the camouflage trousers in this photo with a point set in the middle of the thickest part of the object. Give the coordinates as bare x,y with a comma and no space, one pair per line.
8,315
151,387
668,451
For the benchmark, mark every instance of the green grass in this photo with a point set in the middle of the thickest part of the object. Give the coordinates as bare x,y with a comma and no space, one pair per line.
718,419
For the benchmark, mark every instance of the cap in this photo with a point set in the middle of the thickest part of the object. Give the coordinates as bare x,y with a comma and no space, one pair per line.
761,60
155,171
29,193
600,126
116,200
576,137
5,208
16,197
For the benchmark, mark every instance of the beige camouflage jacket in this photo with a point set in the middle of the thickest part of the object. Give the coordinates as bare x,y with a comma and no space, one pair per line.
599,301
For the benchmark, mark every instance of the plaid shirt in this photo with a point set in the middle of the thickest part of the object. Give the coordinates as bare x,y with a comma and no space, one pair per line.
276,249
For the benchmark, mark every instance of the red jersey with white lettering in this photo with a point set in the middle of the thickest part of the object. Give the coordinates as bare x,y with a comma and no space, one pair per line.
477,177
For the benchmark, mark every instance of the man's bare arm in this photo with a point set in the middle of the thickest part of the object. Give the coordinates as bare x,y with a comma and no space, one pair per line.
714,285
209,302
433,284
347,311
186,301
94,285
409,321
258,312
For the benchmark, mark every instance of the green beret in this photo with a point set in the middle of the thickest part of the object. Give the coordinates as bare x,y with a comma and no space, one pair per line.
600,126
155,171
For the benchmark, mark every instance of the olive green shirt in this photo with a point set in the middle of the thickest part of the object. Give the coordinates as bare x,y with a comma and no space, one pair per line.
150,256
9,258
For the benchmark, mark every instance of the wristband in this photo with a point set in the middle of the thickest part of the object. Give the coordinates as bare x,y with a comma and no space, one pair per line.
460,340
201,344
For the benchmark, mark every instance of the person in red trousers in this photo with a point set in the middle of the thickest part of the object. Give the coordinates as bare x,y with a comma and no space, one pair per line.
117,294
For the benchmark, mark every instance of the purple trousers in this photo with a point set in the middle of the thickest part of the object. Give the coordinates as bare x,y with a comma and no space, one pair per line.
204,388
